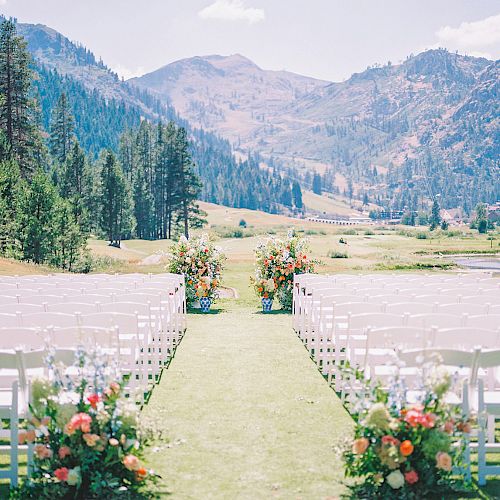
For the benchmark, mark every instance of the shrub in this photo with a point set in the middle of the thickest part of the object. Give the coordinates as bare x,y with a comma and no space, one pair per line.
243,223
348,232
334,254
368,232
422,236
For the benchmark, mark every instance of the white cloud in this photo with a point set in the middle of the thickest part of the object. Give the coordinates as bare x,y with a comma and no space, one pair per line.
126,73
232,10
477,37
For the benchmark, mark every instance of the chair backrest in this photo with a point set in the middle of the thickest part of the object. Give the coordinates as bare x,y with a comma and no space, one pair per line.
435,298
462,308
10,320
459,358
127,308
488,321
140,298
46,319
374,320
41,299
73,308
28,338
408,308
346,308
8,299
396,337
88,299
126,323
465,338
73,337
436,320
21,308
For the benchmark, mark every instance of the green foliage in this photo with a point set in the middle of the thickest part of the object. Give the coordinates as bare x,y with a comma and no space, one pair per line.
116,204
243,223
420,235
17,118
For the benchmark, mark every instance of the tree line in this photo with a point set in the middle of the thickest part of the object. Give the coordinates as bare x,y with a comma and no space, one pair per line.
53,195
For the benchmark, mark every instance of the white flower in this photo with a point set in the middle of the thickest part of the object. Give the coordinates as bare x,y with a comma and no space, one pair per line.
183,239
74,476
270,285
188,260
396,480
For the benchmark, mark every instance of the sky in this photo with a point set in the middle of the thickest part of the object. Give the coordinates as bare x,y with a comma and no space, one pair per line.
326,39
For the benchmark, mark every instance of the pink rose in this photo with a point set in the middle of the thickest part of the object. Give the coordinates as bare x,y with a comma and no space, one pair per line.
61,474
448,426
81,421
411,477
443,461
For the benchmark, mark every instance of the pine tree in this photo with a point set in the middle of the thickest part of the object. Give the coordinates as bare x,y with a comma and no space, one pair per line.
297,195
9,191
116,202
189,185
316,184
36,213
16,107
76,182
62,129
435,218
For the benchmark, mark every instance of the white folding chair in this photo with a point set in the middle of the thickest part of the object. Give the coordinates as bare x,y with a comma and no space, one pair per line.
73,308
488,410
10,320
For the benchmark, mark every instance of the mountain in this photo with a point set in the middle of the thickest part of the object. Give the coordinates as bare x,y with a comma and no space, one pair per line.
105,106
384,131
231,95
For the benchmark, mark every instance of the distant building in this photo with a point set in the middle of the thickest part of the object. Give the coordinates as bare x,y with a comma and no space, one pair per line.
493,212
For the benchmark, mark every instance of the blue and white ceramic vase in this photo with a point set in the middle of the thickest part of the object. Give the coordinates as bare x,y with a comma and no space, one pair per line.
267,304
205,303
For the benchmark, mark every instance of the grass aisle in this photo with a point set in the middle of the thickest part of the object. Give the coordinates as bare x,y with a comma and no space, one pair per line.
246,412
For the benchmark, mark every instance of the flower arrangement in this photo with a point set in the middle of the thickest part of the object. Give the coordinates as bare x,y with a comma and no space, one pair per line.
201,262
403,450
278,260
85,435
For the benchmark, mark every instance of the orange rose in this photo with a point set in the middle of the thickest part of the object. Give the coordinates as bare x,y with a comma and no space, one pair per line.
406,448
443,461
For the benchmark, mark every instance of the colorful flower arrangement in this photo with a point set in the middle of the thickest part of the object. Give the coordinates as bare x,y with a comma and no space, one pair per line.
278,260
403,450
85,435
201,262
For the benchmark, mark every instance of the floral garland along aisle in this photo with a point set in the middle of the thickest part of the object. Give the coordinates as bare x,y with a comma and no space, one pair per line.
201,263
276,262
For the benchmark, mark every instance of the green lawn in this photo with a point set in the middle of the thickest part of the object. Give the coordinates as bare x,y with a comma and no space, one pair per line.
245,410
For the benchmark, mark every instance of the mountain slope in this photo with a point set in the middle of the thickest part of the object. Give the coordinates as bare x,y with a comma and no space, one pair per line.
104,107
231,95
367,129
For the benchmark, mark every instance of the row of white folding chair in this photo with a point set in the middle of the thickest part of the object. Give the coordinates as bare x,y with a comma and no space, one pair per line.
334,308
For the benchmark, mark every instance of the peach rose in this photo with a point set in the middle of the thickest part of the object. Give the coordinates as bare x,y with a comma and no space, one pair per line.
131,462
81,421
443,461
113,442
448,426
91,439
141,474
64,451
43,452
359,446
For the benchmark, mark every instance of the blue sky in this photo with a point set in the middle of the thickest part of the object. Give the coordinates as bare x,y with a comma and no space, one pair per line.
327,39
